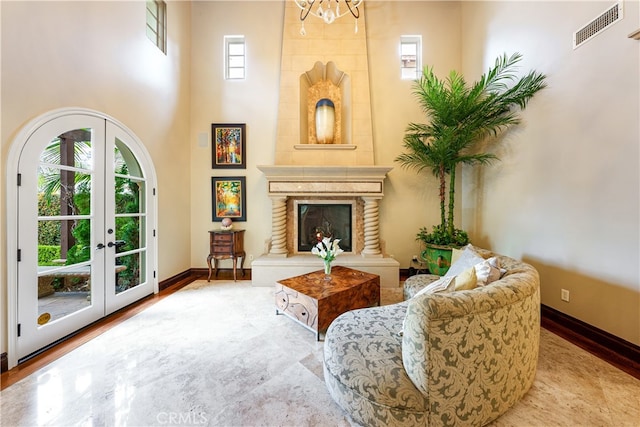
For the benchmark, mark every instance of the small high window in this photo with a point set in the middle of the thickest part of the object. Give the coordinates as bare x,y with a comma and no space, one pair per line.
410,56
234,57
157,23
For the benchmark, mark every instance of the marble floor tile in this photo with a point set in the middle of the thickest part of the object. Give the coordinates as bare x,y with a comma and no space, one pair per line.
217,354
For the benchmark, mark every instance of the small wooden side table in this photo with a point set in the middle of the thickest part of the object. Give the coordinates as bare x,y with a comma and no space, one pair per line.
225,244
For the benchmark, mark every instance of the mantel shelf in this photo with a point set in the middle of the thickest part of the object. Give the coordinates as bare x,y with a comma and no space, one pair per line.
324,147
312,173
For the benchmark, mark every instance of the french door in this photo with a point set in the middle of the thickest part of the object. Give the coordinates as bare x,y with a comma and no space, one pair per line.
84,229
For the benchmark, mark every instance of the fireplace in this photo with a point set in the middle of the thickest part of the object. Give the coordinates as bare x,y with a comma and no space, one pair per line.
299,191
317,219
357,186
314,67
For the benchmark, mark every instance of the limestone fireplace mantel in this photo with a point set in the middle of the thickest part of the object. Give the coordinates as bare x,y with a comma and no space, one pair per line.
365,182
356,181
317,182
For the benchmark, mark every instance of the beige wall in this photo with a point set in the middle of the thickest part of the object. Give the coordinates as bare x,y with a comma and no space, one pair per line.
566,195
253,101
411,200
96,55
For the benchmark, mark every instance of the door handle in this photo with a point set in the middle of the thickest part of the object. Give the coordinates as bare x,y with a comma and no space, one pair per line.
100,246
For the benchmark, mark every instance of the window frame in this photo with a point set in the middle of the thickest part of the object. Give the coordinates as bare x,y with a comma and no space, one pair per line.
156,23
406,72
231,58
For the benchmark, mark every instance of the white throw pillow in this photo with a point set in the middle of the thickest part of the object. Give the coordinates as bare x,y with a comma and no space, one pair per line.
466,280
488,271
455,254
468,258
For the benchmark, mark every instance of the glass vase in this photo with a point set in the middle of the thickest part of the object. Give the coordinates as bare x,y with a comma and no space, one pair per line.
327,270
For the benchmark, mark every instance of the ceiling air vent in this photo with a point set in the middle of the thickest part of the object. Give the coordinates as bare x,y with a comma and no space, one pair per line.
609,17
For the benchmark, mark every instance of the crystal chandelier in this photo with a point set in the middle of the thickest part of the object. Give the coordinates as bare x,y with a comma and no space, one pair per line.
326,11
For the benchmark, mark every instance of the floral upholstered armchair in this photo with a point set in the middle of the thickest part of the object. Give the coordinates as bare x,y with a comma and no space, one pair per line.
439,358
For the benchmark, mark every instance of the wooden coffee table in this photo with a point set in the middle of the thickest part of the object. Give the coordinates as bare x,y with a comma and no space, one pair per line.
315,302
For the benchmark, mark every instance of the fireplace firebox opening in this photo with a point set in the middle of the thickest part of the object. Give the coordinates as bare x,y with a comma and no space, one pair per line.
317,220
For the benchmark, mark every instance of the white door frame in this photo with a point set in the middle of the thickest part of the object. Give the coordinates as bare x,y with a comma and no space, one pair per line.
15,151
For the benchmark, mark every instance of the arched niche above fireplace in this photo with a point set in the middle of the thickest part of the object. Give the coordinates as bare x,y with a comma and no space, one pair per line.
325,81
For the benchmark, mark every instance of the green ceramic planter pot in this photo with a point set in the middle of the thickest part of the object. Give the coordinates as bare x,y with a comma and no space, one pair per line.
438,258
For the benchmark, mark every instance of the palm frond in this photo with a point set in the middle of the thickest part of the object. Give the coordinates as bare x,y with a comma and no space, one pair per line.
478,159
504,69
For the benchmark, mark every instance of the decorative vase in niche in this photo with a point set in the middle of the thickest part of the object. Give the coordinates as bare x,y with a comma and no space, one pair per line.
325,121
327,270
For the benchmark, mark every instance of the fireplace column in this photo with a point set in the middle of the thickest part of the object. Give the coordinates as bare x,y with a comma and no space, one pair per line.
278,226
371,227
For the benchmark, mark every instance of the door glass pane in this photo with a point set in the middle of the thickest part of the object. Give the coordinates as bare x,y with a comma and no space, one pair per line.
128,191
64,226
63,242
127,234
63,192
72,148
125,162
128,271
63,293
130,220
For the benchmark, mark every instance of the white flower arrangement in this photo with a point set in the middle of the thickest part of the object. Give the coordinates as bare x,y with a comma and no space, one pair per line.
327,249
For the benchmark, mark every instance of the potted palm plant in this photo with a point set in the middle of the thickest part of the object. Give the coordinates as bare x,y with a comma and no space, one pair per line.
461,116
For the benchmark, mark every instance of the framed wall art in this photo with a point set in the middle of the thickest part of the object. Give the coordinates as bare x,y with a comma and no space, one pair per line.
229,198
228,146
